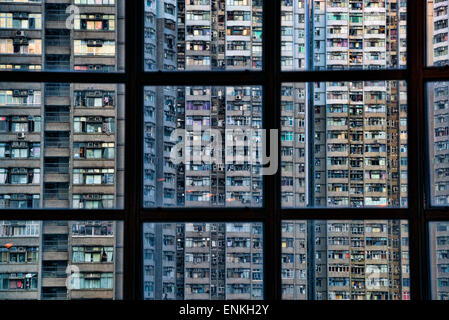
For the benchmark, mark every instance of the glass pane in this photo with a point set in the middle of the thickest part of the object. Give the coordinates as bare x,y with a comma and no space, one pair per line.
203,261
61,260
203,35
438,124
343,34
61,145
203,146
345,260
437,29
344,144
84,36
439,259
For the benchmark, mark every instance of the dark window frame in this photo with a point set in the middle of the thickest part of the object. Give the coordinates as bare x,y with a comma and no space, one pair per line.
419,212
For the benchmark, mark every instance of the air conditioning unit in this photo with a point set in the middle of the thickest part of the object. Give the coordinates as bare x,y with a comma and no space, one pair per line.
238,98
20,33
21,135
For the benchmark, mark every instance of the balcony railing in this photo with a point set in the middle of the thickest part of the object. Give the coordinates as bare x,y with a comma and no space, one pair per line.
57,116
55,245
56,15
54,296
58,168
53,272
53,41
56,195
57,66
57,90
52,142
54,223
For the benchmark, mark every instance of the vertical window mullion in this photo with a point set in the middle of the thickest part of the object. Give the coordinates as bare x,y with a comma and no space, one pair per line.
133,67
272,228
416,142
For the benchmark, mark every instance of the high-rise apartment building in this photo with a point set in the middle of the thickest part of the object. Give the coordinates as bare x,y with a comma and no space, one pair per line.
345,260
439,255
321,260
438,106
59,260
61,146
203,261
344,144
202,35
438,131
353,134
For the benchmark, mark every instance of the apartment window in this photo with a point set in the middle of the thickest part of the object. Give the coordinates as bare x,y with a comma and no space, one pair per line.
92,254
94,150
93,201
95,22
19,229
18,281
94,99
93,228
92,281
20,255
93,176
94,124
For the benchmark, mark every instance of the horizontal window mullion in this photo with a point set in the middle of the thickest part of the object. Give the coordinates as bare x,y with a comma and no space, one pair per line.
343,75
200,214
434,73
203,78
74,77
436,214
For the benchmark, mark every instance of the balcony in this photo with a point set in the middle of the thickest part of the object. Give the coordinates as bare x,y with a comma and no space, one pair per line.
57,145
57,116
55,245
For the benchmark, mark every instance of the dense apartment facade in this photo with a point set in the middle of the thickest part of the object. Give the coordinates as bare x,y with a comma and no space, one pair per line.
344,144
345,260
62,146
321,260
61,260
438,112
202,35
439,248
203,261
353,134
438,107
